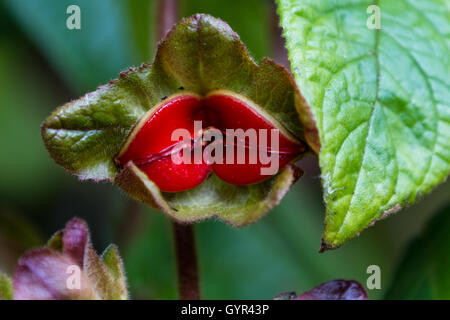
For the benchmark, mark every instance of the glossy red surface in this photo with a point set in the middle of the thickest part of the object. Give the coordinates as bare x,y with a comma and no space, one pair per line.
232,113
151,147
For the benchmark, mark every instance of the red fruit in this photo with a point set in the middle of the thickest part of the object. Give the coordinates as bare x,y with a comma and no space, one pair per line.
150,145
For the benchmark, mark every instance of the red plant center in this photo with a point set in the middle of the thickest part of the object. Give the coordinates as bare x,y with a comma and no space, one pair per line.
178,143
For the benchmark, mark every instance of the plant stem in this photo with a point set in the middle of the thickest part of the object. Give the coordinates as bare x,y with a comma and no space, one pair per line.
186,259
167,16
279,51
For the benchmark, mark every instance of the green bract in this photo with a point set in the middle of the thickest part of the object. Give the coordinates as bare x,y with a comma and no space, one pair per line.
6,287
379,98
199,55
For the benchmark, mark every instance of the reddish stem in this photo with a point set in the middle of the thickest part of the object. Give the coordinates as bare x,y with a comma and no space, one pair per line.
186,258
279,51
167,16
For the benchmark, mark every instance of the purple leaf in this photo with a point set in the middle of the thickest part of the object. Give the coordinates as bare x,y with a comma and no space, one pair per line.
336,290
42,275
69,268
75,239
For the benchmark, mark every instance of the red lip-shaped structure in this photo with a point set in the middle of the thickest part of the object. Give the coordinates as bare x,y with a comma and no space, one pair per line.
150,145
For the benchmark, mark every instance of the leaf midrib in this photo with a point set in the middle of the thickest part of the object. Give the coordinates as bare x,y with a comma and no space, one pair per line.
377,86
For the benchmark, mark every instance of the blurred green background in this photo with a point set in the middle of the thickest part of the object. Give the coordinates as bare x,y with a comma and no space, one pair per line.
43,65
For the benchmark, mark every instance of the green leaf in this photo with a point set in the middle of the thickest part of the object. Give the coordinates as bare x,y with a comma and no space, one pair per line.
105,285
424,271
112,260
84,136
380,101
6,287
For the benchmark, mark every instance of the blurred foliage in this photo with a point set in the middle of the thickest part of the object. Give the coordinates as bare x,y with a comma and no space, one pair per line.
26,98
17,235
44,65
424,272
114,35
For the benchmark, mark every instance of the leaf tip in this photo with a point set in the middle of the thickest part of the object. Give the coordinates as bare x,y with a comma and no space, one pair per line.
328,246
